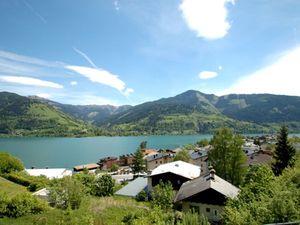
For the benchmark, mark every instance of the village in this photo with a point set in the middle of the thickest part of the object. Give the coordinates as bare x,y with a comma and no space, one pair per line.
196,183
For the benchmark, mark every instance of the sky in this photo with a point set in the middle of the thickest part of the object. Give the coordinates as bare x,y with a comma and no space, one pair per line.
121,52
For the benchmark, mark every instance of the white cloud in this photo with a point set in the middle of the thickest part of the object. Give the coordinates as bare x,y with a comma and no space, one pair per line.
73,83
220,67
29,81
103,77
44,95
207,17
280,77
128,91
204,75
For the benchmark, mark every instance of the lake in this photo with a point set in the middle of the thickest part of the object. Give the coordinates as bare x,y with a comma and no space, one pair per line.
69,152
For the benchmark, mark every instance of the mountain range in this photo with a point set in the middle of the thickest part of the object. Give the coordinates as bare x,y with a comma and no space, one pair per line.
187,113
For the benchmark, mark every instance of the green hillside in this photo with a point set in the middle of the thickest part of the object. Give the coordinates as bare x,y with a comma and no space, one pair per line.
23,116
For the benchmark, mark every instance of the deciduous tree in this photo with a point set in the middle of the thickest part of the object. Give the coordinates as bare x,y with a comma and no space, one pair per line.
227,155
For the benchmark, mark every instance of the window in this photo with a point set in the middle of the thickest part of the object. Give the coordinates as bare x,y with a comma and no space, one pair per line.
155,162
208,210
194,208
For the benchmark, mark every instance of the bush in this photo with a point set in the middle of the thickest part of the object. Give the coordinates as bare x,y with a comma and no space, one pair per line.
163,195
32,183
66,192
142,196
8,163
21,205
103,185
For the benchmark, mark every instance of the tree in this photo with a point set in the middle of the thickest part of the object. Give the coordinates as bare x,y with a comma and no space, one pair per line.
227,156
284,154
104,185
138,163
202,143
183,155
143,145
8,163
163,195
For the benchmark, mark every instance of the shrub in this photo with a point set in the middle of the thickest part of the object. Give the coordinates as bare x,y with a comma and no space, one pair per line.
24,204
142,196
163,195
8,163
66,192
103,186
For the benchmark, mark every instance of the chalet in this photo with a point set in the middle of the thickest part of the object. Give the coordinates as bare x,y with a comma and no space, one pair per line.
206,195
107,162
161,157
260,157
176,172
199,157
126,160
91,166
50,173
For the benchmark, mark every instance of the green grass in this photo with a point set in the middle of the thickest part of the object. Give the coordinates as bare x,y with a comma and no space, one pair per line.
93,211
10,188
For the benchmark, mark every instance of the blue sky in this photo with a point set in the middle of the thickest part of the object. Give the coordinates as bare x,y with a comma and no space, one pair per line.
131,51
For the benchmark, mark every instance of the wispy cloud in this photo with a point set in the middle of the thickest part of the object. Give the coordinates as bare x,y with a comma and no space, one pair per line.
280,77
28,60
207,17
73,83
29,81
102,77
86,57
117,5
29,6
44,95
205,75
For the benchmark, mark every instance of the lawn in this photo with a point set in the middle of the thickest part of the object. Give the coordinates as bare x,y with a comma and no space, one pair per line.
10,188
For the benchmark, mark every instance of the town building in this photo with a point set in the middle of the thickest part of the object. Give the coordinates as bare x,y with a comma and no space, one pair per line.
161,157
176,172
199,157
50,173
106,163
90,166
206,195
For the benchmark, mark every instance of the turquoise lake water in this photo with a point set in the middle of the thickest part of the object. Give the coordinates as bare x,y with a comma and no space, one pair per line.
68,152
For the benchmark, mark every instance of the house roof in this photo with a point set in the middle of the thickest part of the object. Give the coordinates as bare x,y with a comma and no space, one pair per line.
90,166
49,173
203,183
134,187
43,192
178,167
259,158
158,155
198,154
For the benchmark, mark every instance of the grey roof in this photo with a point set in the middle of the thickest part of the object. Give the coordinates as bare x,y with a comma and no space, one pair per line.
198,154
134,187
204,183
159,156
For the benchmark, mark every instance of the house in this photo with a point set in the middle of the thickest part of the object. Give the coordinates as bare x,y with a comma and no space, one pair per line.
206,195
49,172
176,172
133,188
161,157
107,162
42,194
126,160
199,157
250,148
260,157
91,166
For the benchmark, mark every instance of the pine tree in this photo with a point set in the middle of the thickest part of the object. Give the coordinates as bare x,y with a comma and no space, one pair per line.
139,163
284,154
